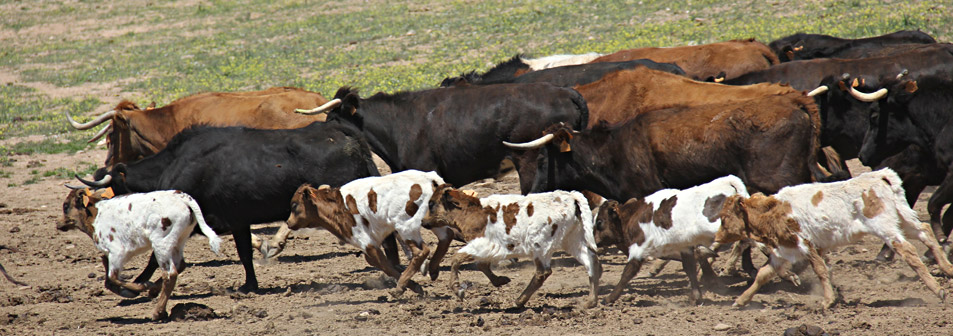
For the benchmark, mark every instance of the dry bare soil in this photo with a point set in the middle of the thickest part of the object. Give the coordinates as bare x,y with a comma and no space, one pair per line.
317,286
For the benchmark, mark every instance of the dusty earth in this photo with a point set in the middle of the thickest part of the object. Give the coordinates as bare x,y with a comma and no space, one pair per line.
317,286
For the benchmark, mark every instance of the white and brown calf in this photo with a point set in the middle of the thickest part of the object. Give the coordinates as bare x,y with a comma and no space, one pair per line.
507,226
365,211
807,220
667,222
129,225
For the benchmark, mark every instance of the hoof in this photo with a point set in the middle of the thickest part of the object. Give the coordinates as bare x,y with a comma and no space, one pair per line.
396,293
738,305
590,304
434,274
425,267
942,295
246,288
160,316
500,281
154,290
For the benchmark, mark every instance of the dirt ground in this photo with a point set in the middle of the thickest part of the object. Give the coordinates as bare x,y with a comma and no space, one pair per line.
317,286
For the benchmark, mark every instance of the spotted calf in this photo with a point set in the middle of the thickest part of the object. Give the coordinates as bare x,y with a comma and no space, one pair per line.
667,222
365,211
129,225
807,220
506,226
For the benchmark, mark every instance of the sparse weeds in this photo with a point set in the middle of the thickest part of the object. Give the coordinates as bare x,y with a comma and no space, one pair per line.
387,46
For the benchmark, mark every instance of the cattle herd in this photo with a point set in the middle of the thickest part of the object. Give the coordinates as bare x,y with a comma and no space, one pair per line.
659,152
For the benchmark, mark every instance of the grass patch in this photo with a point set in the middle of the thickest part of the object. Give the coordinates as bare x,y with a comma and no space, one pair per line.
67,173
50,145
378,46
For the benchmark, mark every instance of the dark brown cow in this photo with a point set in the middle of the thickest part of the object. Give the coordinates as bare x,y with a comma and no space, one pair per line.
685,146
136,133
733,58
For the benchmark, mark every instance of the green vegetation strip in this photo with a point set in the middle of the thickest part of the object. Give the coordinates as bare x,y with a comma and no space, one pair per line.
163,50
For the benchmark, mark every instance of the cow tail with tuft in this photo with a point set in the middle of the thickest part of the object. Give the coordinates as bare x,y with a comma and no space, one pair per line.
213,240
585,216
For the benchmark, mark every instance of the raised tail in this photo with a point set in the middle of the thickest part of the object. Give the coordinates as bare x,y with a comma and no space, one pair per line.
585,215
213,240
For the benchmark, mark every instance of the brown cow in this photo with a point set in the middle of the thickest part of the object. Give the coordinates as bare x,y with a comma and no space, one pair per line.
734,58
621,95
136,133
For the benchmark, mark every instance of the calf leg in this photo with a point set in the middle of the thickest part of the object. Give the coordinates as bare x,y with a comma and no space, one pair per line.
390,250
909,254
658,267
112,278
930,241
542,272
765,274
271,248
113,286
590,261
459,259
168,284
688,265
823,274
497,281
630,270
732,261
444,238
420,253
148,271
376,258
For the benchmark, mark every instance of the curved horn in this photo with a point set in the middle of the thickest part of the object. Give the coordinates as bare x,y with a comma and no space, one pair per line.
323,108
532,144
902,73
819,90
100,133
98,184
99,120
868,97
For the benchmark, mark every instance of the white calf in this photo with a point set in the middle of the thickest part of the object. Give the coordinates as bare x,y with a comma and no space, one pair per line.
807,220
506,226
665,223
130,225
365,211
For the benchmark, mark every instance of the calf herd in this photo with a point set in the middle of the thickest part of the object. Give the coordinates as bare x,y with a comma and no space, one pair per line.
636,155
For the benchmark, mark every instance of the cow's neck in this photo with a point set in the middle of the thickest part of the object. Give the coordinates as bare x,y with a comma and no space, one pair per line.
381,128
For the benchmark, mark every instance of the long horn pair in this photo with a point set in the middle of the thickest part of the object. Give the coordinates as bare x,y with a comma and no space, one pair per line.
104,182
532,144
819,90
323,108
868,97
100,133
99,120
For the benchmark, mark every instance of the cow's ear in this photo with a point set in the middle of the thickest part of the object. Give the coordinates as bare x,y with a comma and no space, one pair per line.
910,86
152,106
787,52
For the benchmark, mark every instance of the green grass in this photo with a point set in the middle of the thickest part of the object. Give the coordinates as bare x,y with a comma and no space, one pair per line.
160,51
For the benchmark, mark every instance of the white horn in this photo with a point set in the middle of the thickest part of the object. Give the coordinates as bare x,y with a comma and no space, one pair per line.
532,144
902,73
819,90
86,126
868,97
101,133
323,108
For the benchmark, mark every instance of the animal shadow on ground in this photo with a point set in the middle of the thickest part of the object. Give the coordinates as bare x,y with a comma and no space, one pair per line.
297,258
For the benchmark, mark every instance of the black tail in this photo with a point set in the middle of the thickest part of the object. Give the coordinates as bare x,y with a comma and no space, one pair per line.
583,110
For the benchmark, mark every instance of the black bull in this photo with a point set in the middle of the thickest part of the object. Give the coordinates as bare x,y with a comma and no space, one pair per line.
458,131
241,176
917,112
